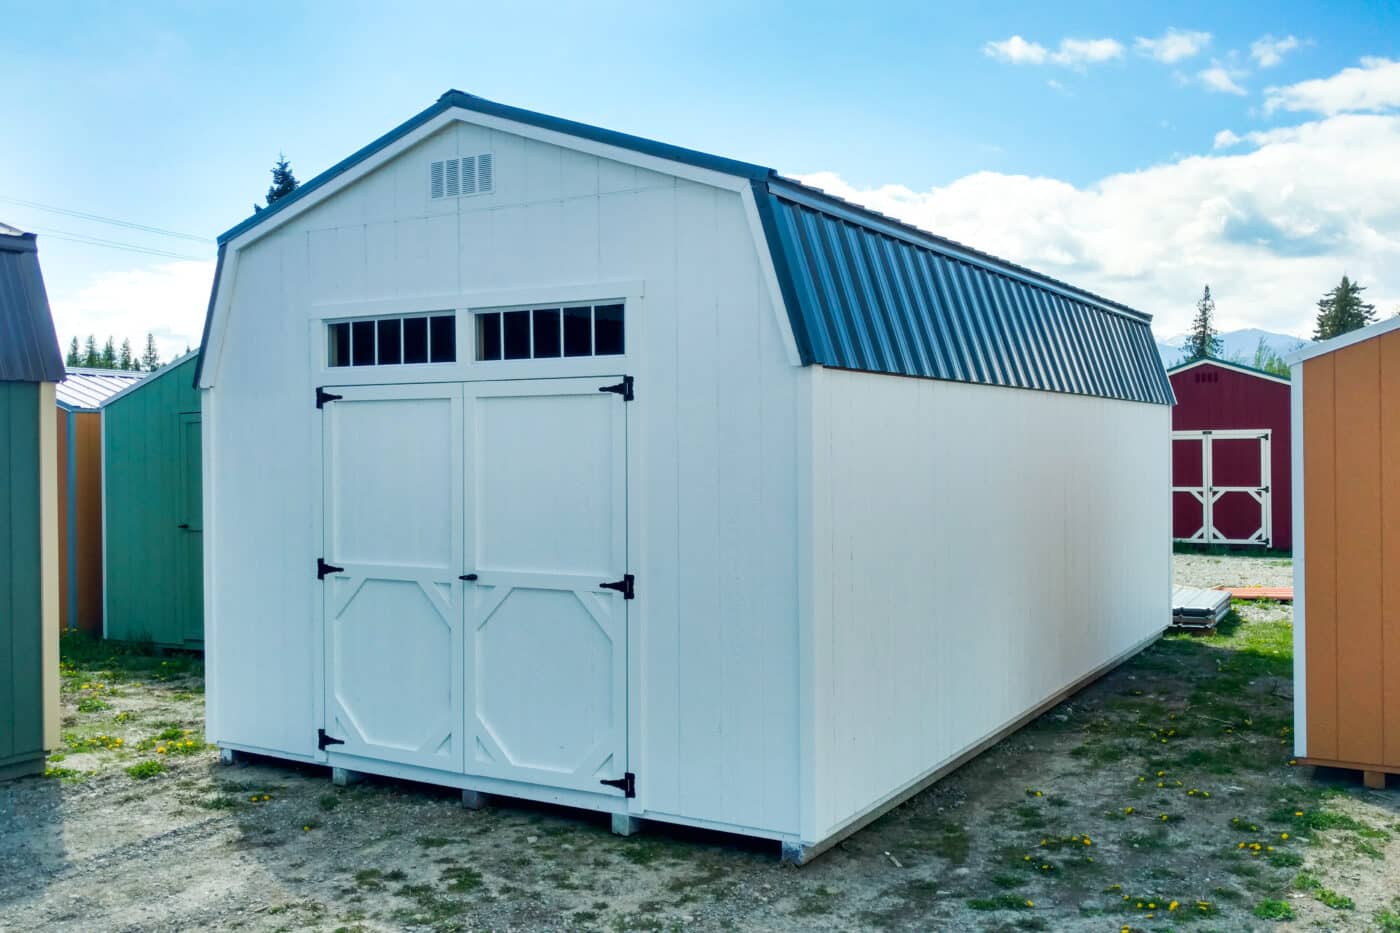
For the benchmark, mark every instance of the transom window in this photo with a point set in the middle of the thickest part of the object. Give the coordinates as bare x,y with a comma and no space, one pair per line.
550,333
392,341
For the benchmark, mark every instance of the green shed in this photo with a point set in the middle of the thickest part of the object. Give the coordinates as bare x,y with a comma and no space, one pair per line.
30,367
151,500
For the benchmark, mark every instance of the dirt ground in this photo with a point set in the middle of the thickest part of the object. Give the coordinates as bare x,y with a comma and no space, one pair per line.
1161,797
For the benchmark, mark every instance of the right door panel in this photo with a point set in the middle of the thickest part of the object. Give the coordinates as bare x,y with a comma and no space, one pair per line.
546,641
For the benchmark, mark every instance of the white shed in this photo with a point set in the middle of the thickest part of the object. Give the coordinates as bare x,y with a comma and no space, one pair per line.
554,463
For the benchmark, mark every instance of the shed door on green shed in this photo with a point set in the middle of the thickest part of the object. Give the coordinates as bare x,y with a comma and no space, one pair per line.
21,601
191,527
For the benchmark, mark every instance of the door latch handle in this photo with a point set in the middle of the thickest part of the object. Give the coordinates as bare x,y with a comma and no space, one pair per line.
183,526
469,577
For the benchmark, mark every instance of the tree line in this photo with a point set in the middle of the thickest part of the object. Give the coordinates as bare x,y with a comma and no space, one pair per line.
110,356
1339,311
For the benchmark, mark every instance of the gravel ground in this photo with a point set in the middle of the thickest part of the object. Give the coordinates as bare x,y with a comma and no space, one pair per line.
1168,782
1210,570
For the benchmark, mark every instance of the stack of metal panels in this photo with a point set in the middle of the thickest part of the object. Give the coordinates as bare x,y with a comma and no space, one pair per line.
1197,608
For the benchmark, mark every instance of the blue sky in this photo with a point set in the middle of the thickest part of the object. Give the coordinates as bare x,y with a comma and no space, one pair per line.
170,116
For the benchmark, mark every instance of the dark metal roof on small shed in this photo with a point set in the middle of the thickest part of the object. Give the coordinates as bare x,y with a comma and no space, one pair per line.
867,292
28,345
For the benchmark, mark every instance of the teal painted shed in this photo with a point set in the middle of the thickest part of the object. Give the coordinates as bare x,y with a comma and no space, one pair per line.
152,511
30,367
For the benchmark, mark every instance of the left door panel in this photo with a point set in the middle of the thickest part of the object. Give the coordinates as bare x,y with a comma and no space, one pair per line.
392,461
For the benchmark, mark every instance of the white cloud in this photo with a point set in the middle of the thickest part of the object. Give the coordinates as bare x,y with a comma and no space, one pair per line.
1270,229
1226,138
1374,86
1073,53
1173,45
1268,51
1220,79
167,300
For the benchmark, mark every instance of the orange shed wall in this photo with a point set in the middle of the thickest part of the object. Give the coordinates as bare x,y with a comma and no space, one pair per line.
1351,475
87,502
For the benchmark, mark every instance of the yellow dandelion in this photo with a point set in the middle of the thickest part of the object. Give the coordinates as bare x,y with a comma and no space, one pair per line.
1297,812
1173,905
1205,793
267,796
1161,774
160,750
1088,841
1030,903
306,829
1127,809
1152,906
1283,835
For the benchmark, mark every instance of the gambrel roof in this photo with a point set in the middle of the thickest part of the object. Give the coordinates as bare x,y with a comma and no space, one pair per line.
28,345
867,292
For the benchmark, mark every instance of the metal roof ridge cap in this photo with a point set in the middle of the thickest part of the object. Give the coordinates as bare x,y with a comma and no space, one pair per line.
873,220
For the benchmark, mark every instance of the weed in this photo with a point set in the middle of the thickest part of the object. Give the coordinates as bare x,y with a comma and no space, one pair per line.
461,879
818,902
1273,909
328,802
92,705
1388,921
1001,902
146,769
65,774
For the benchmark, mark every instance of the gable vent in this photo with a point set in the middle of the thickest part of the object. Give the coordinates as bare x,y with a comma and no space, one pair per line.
454,178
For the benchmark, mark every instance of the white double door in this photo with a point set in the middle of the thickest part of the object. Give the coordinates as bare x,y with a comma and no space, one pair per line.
469,531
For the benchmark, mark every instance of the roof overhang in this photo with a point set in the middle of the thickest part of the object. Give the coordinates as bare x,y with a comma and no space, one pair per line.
1233,367
1345,340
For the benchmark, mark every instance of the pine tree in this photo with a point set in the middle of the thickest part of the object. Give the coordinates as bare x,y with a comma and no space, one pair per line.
124,360
1342,310
75,356
109,355
150,359
283,182
1204,339
91,358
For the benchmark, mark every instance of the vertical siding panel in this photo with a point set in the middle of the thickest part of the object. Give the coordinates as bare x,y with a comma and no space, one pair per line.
1358,553
10,533
1390,543
1320,568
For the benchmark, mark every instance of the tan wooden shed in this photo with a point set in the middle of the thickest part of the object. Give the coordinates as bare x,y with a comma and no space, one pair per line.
1346,570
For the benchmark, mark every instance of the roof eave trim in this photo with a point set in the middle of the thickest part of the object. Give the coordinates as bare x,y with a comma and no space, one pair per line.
1233,367
1345,340
872,220
209,314
165,370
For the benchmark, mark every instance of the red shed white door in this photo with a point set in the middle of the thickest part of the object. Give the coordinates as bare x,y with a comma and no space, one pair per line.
1220,487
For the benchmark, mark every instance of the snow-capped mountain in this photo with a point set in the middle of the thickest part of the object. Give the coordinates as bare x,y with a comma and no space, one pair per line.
1239,344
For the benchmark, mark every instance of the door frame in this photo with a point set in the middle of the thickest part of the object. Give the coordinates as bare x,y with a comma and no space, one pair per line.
1208,493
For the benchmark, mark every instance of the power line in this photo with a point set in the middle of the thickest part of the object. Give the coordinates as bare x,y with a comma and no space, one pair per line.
106,220
115,244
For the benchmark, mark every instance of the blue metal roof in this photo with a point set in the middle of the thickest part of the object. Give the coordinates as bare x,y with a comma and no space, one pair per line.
28,346
867,292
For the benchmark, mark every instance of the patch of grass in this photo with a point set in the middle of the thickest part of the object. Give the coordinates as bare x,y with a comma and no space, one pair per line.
1273,909
1008,881
461,879
943,839
146,769
93,705
220,802
1388,921
434,842
328,802
817,902
1000,902
65,774
429,907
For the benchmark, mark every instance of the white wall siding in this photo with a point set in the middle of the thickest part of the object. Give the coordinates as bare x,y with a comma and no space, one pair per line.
976,550
713,434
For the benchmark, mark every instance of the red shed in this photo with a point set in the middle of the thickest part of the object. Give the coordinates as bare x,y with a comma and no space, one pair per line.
1230,455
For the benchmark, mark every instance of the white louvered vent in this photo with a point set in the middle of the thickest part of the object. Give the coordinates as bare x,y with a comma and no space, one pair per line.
453,178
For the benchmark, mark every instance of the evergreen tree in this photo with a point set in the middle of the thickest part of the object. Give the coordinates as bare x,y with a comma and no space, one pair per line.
91,357
1204,339
75,356
1342,310
150,359
124,360
283,182
109,355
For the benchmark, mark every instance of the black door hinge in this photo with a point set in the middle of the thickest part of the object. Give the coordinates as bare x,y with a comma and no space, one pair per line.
623,586
323,568
322,740
623,388
627,784
322,397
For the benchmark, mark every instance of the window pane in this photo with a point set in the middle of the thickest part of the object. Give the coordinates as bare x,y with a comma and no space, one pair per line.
415,340
389,350
362,343
546,332
488,336
517,328
338,344
607,335
578,331
444,334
